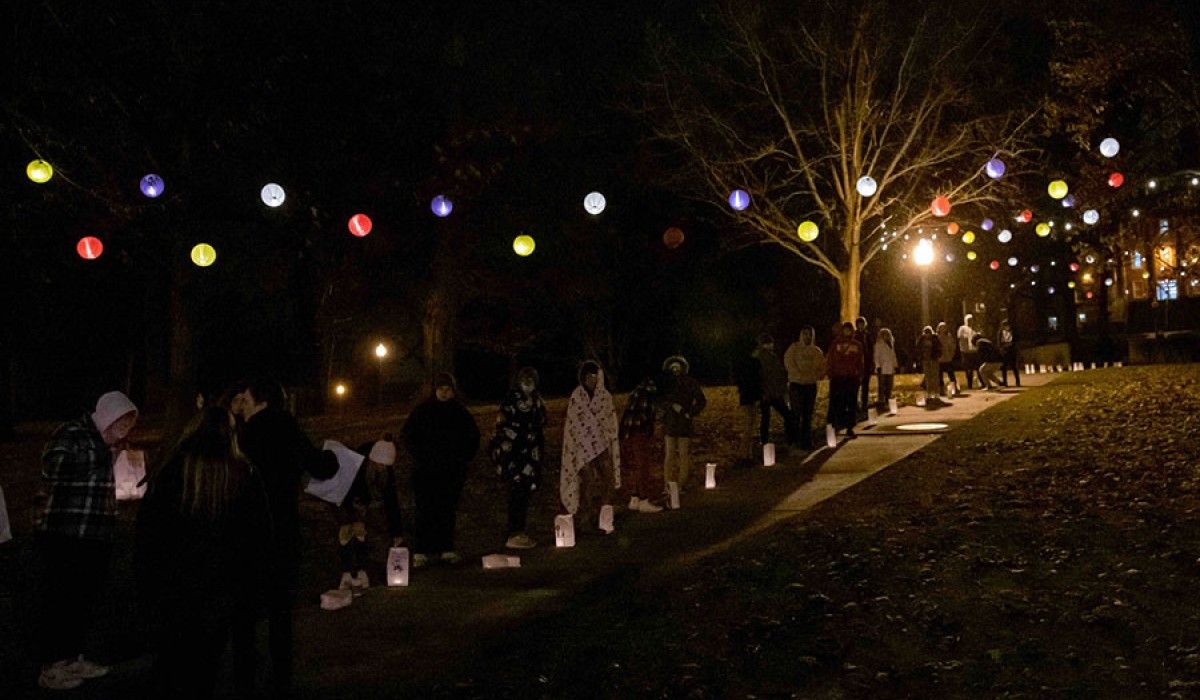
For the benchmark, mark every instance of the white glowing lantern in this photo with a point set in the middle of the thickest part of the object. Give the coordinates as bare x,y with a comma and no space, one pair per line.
1005,236
1090,217
893,407
710,475
128,471
1110,147
866,186
606,519
830,436
594,203
273,195
673,495
564,531
397,566
769,454
1012,262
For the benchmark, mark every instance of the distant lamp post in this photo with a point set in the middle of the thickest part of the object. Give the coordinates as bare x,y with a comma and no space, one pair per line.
340,391
923,257
381,352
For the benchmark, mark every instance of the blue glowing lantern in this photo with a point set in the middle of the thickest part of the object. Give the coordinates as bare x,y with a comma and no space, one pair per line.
987,224
995,168
441,206
152,185
739,200
1068,201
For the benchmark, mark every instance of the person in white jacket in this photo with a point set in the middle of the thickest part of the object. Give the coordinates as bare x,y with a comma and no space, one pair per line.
590,449
885,366
805,367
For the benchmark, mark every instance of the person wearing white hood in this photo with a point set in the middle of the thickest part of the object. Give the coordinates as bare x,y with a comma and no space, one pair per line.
75,529
591,449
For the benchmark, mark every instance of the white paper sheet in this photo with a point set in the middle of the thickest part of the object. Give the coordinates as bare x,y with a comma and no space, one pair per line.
335,488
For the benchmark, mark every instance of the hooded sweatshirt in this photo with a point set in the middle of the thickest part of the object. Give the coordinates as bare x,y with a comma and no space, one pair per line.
805,363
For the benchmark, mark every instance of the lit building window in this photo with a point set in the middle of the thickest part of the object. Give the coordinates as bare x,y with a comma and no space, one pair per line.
1167,290
1083,318
1137,261
1052,321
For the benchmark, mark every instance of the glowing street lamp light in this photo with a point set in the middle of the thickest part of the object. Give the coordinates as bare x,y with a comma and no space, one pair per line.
381,352
923,257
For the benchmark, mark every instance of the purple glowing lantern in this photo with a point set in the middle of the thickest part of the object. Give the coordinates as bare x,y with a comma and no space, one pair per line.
152,185
441,206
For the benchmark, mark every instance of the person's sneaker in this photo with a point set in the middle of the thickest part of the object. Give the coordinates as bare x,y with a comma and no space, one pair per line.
360,583
644,506
634,502
87,670
57,676
419,560
347,582
520,541
451,557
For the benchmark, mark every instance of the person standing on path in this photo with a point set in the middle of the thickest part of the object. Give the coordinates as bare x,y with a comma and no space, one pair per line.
946,358
641,450
747,373
283,455
966,348
442,437
516,451
679,404
866,339
846,358
929,354
805,367
203,541
1007,345
591,454
376,478
774,388
74,534
885,366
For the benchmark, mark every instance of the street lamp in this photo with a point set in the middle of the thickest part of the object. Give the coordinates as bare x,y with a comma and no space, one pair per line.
923,257
381,352
340,391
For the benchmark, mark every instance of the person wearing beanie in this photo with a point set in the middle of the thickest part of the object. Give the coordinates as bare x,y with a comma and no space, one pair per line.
376,478
516,450
591,456
74,533
679,405
845,360
442,437
276,445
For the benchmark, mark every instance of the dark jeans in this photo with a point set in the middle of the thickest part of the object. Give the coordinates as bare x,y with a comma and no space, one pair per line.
842,392
436,490
279,600
764,424
1010,362
865,395
804,400
946,369
518,507
970,361
886,382
74,572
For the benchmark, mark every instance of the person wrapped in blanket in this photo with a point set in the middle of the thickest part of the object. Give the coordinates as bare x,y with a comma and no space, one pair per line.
375,481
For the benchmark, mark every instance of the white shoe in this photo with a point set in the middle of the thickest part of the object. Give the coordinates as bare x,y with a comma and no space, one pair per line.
360,583
56,676
645,506
520,541
451,558
86,670
634,501
419,560
347,582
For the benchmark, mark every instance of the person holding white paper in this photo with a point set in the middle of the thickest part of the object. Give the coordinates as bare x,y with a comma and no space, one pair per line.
442,436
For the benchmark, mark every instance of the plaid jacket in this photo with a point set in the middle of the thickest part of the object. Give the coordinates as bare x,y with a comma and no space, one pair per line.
77,472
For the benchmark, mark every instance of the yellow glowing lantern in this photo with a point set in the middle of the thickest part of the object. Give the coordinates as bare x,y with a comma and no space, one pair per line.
1057,189
808,231
39,171
1042,229
971,255
968,237
203,254
1071,284
523,245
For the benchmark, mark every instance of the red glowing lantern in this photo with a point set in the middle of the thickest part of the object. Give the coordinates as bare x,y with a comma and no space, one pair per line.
1089,295
1116,180
1074,267
360,225
940,205
673,238
952,228
995,264
1025,216
89,247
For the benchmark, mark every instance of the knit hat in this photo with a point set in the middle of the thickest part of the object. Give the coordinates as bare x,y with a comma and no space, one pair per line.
445,379
110,408
383,452
676,360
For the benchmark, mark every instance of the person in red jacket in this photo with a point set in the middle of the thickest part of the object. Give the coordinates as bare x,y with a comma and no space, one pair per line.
845,361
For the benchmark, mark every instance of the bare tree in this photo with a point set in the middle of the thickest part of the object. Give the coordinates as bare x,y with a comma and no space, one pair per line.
795,109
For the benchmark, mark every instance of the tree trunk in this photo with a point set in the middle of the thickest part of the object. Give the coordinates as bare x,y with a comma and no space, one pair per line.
438,328
849,287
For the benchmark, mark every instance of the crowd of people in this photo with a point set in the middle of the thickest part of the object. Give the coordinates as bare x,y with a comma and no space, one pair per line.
218,540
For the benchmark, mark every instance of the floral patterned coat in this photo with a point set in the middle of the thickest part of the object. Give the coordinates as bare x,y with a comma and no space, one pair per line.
519,442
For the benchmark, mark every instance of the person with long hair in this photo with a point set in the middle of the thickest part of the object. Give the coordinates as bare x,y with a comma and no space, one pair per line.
203,537
885,366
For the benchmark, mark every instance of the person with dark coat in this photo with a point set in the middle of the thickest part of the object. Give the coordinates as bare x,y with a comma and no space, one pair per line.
203,540
641,450
774,388
929,354
679,405
949,347
866,339
442,437
517,450
747,375
990,362
845,361
1006,343
282,454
